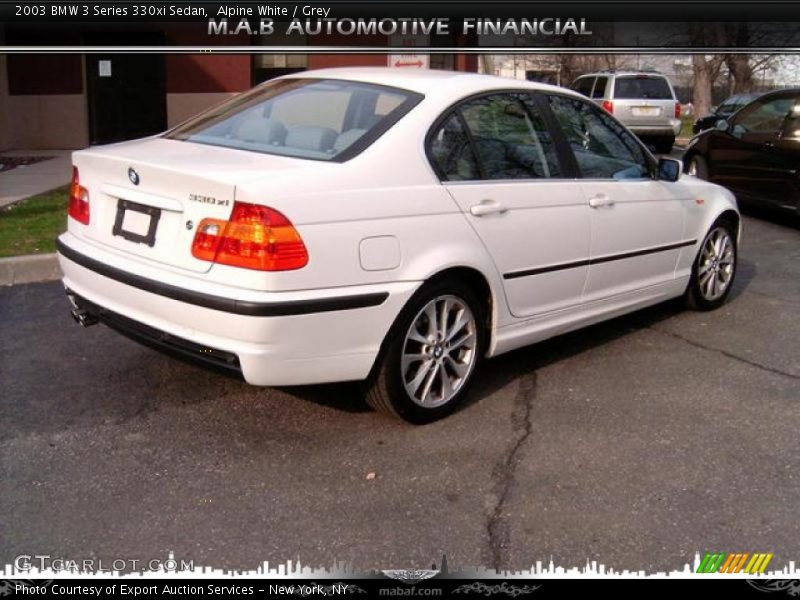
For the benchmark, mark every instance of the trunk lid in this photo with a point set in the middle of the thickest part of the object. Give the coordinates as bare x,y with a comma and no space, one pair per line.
147,197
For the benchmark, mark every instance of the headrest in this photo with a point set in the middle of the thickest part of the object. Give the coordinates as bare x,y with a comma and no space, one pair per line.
310,137
256,128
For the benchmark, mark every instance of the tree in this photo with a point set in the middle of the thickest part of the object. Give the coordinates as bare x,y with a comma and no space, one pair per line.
487,64
706,67
744,68
706,71
572,66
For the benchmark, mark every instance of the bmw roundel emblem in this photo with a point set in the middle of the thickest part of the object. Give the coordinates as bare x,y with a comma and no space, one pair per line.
133,176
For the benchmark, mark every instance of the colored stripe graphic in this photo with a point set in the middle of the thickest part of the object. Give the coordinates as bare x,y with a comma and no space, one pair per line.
711,562
721,562
758,564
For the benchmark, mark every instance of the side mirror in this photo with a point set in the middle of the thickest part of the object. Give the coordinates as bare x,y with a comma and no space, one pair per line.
669,169
722,125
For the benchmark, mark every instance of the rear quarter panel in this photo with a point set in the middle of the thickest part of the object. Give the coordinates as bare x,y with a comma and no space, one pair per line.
388,191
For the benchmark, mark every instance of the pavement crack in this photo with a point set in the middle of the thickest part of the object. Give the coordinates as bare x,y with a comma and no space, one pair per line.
727,354
504,471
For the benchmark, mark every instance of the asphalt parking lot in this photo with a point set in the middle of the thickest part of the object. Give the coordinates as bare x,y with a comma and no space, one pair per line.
636,443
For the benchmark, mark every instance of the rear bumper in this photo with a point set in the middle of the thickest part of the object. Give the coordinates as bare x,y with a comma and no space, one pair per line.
671,128
271,338
159,340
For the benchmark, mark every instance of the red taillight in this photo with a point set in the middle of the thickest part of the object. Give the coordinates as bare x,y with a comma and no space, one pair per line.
255,237
78,200
677,110
608,106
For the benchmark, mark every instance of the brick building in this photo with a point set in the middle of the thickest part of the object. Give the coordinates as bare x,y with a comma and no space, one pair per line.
73,100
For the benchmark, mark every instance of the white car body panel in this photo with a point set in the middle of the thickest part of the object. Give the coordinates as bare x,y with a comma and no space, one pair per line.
644,215
379,223
545,223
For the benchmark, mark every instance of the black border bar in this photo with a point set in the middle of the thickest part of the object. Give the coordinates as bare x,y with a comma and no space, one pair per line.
229,305
116,11
596,261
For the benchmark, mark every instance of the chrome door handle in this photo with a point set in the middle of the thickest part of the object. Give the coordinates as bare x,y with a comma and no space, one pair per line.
600,200
487,207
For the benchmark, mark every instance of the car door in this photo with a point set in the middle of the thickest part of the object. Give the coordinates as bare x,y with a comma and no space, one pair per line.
786,158
750,157
636,221
497,157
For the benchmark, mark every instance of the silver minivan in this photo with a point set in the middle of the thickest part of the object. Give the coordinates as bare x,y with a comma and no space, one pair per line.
643,101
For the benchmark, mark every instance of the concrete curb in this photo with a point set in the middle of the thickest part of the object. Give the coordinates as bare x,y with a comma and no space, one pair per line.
29,269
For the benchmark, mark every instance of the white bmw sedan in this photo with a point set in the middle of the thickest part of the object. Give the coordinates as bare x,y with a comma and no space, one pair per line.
391,226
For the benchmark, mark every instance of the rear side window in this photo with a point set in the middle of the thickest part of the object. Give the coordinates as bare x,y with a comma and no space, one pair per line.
600,87
320,119
509,141
642,86
505,137
583,85
451,152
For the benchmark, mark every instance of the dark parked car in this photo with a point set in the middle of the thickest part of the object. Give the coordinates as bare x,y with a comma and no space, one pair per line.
723,111
755,153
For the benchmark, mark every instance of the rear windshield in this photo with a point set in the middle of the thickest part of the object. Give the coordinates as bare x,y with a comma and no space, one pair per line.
642,86
320,119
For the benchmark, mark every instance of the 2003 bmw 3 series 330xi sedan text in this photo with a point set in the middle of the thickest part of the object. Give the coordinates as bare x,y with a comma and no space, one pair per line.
389,226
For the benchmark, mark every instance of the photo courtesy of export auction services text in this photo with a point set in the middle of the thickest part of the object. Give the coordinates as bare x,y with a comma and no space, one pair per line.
385,26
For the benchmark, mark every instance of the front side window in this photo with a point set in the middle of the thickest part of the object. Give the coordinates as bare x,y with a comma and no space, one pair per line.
321,119
603,148
791,130
763,116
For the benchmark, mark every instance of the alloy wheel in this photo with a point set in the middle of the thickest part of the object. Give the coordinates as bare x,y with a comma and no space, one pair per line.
717,263
439,351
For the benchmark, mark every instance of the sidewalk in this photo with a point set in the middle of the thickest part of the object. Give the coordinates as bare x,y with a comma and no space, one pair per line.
30,180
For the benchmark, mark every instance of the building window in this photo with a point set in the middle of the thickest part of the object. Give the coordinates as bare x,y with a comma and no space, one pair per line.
269,66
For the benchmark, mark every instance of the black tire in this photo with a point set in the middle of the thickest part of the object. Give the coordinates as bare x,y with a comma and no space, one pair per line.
664,145
385,389
698,164
696,298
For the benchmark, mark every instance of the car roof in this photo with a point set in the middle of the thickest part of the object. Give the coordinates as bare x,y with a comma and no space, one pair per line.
424,81
624,73
792,91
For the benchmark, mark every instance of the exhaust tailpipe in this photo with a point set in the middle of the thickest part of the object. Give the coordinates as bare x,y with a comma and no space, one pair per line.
81,316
